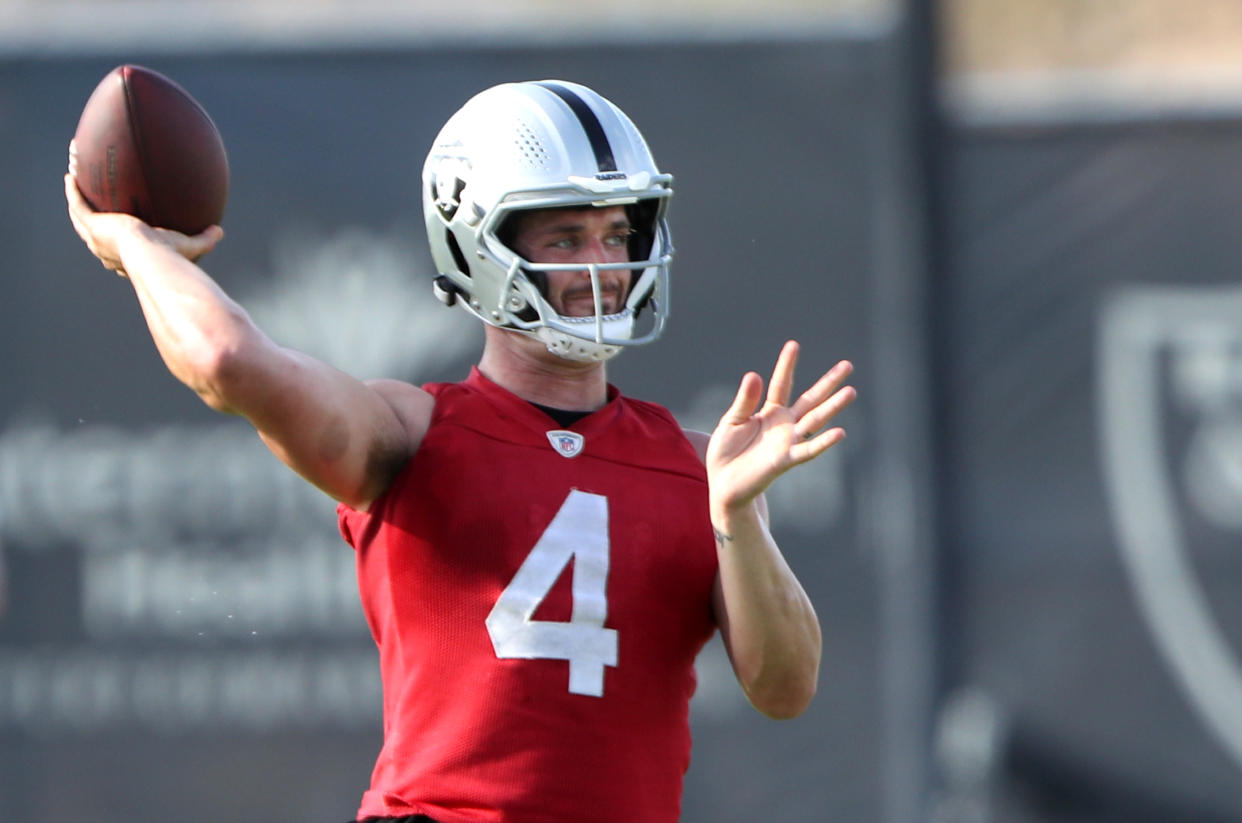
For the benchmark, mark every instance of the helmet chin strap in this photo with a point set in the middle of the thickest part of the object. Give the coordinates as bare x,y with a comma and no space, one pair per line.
570,347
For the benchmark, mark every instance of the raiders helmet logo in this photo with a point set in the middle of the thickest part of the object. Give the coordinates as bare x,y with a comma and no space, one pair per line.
566,443
447,182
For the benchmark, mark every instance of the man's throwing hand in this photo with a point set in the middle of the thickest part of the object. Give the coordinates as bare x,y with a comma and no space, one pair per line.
102,232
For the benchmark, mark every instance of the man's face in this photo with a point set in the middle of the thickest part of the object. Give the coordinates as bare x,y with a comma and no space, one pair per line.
585,235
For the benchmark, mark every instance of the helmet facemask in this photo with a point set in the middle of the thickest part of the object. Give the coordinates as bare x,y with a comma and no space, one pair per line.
597,336
519,147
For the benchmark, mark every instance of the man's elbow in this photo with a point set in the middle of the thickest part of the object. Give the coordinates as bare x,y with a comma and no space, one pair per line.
220,368
783,698
212,372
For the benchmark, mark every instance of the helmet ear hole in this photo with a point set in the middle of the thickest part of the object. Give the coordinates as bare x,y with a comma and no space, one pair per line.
459,258
642,216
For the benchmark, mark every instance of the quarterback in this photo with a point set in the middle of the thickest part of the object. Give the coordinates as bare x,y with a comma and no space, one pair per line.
540,557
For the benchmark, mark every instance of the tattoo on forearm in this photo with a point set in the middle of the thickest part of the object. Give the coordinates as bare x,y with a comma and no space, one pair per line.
721,537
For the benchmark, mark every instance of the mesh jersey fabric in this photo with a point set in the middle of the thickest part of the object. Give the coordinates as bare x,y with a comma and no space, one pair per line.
473,732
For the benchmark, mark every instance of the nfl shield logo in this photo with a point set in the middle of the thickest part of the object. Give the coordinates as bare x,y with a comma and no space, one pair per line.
1170,422
566,443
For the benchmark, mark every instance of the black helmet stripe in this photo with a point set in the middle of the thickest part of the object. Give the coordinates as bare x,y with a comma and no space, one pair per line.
590,124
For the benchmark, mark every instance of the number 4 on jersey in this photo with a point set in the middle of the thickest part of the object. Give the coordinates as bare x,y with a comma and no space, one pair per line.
578,532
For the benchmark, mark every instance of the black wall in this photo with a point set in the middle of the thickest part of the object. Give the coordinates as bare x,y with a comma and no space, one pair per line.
181,632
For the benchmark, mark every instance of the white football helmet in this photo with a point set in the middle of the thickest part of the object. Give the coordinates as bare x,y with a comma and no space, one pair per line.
537,145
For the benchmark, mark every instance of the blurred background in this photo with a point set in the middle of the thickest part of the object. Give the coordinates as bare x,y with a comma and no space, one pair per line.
1020,218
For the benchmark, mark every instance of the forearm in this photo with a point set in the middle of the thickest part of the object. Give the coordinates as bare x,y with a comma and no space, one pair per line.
198,330
767,621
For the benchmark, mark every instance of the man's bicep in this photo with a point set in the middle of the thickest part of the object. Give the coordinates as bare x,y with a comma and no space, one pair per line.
344,436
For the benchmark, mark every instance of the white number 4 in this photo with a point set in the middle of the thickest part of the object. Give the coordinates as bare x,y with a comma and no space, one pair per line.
579,531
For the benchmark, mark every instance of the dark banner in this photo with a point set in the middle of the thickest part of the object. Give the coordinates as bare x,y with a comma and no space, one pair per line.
180,635
1092,327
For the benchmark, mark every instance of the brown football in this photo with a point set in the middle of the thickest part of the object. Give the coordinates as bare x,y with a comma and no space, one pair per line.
145,147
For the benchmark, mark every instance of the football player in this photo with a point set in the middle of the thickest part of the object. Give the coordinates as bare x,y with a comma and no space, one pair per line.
540,557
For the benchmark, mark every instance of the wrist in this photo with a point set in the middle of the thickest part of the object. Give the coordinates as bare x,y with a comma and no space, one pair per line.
134,236
728,522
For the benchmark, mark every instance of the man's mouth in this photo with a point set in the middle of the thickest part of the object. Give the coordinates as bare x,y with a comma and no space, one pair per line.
581,302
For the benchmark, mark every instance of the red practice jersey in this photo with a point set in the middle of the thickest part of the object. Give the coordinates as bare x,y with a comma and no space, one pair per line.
538,596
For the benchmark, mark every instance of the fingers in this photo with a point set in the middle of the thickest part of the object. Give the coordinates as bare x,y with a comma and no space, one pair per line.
808,424
817,406
73,196
746,400
816,445
823,388
193,247
78,208
781,386
72,193
80,212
